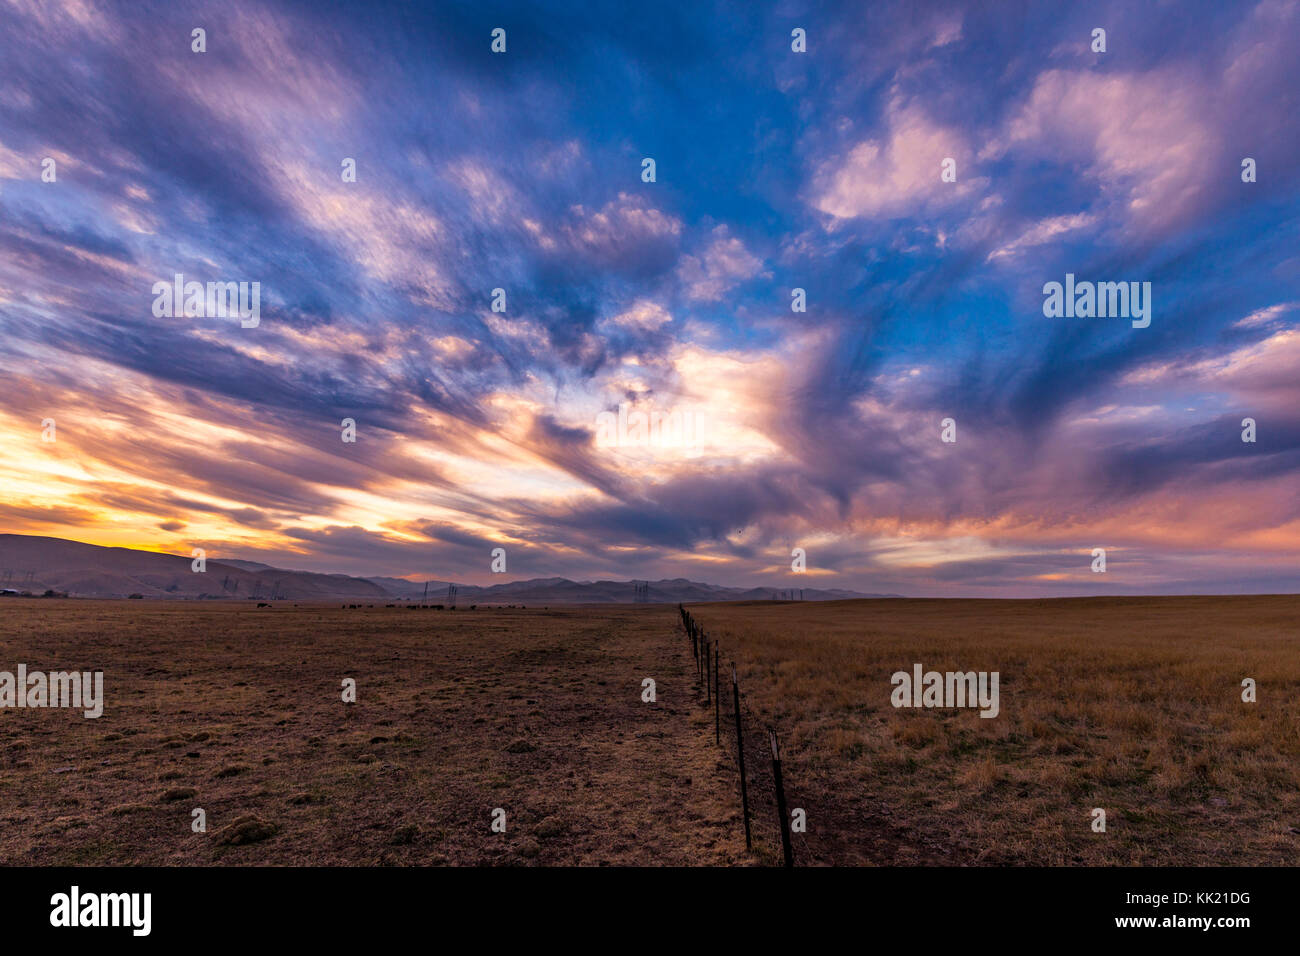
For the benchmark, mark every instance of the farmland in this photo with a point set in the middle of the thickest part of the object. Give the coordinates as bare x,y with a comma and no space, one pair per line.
1130,705
238,711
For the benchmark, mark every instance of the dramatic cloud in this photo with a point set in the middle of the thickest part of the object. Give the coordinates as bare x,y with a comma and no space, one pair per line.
898,173
639,399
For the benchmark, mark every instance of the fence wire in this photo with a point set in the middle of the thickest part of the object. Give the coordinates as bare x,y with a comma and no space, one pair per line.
760,780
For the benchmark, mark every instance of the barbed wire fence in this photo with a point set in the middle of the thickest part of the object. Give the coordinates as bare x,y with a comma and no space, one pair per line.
750,747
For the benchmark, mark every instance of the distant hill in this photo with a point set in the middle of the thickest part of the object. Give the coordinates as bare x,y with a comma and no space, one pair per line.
248,565
36,564
412,590
668,591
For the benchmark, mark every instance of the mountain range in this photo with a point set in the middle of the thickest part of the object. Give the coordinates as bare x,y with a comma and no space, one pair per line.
29,563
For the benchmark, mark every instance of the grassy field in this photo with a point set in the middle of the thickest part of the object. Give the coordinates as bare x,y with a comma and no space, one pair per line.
238,711
1130,705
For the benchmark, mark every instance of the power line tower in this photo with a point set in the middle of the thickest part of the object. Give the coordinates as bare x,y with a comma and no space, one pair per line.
451,596
642,592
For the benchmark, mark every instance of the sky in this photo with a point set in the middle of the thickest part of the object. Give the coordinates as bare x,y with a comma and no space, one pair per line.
749,429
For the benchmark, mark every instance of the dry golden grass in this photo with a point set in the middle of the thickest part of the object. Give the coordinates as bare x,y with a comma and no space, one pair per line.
1132,705
238,711
1128,704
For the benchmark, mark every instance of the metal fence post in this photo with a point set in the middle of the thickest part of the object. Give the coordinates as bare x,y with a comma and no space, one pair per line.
740,756
780,800
717,699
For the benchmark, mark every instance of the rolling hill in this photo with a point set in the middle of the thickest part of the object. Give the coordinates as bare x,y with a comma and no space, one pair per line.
37,564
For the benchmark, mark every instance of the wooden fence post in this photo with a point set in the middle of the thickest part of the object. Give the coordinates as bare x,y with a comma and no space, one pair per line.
740,756
780,800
